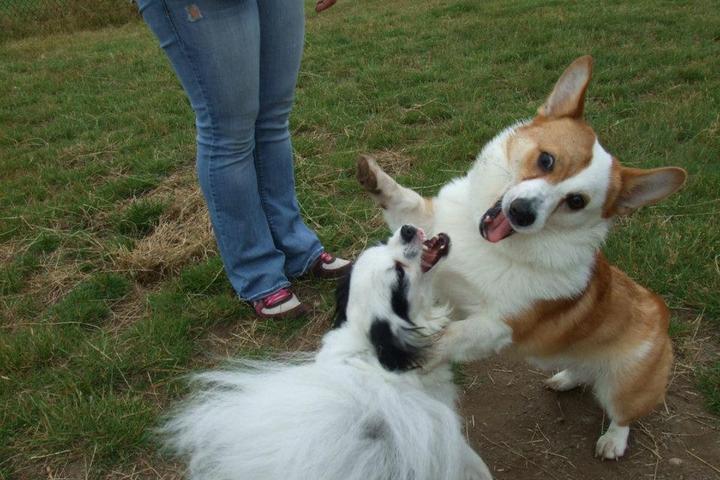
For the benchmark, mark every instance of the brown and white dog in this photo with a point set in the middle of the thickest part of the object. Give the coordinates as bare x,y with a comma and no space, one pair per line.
526,271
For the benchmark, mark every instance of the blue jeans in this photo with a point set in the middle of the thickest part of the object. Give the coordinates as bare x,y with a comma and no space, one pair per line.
238,62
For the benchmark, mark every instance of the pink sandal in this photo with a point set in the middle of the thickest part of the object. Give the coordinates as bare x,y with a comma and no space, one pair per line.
279,304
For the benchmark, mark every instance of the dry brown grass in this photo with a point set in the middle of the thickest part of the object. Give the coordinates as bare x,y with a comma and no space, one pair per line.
393,162
253,334
131,308
183,234
7,251
143,469
55,280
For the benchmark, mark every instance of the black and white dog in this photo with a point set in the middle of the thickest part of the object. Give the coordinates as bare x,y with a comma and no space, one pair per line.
360,409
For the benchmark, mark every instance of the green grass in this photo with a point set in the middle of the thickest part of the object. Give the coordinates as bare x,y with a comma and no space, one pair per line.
140,217
710,386
22,18
92,124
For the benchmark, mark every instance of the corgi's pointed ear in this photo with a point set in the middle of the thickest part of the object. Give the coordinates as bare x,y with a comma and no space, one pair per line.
568,97
641,187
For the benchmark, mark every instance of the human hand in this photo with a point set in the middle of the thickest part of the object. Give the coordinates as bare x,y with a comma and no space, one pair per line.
324,5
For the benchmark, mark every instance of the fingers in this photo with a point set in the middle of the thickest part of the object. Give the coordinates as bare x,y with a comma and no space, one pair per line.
324,5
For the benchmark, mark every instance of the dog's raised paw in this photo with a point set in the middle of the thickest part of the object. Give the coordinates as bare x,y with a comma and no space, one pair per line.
366,168
562,381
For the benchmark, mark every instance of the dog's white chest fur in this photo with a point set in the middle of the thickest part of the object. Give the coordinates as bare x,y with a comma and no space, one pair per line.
505,277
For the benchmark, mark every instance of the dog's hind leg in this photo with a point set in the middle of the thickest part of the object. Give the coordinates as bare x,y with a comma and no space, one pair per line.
632,393
400,204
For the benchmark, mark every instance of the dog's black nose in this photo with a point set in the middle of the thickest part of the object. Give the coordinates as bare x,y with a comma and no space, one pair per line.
407,233
522,212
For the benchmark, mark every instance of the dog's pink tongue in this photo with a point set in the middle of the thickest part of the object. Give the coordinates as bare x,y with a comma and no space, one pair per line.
498,228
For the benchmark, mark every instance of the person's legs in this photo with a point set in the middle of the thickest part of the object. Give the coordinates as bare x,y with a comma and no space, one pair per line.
281,44
214,47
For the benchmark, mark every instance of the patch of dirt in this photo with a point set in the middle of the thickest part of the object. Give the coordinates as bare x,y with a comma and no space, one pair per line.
524,431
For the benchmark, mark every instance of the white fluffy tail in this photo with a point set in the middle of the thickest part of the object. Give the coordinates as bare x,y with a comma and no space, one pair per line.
276,420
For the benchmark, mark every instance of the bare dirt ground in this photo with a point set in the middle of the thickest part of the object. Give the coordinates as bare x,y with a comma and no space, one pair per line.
525,431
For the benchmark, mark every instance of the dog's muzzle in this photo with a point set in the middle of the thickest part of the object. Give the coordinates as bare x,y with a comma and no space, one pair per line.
494,225
434,249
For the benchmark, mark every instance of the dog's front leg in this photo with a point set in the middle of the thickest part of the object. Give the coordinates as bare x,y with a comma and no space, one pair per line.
400,204
470,339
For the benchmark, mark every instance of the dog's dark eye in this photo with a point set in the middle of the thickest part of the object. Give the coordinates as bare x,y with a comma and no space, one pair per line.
546,162
575,201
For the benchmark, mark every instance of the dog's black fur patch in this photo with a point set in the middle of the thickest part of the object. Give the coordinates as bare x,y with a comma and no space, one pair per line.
374,428
342,293
398,298
392,352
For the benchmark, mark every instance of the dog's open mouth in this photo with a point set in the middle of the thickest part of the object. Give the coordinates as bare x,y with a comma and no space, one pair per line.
494,225
434,249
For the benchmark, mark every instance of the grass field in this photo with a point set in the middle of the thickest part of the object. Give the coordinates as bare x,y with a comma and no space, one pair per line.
23,18
110,287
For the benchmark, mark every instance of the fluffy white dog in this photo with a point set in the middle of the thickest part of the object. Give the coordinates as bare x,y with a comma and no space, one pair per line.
360,409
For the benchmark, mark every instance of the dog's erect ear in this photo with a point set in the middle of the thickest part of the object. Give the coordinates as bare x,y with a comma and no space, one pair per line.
393,352
342,293
568,97
641,187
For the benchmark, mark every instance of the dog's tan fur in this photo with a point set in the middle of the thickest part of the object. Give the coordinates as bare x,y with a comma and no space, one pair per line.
611,317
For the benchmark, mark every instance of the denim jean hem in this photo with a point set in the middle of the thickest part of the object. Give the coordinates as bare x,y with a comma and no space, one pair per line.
265,293
309,263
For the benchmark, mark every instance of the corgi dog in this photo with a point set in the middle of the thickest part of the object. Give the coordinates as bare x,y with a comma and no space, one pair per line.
527,223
